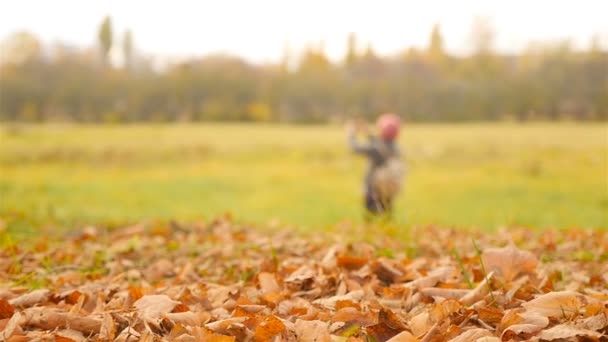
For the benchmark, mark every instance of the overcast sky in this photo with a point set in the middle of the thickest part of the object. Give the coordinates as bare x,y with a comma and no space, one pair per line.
258,29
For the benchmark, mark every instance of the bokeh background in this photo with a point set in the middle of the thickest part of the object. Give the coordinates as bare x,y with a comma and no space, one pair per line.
117,112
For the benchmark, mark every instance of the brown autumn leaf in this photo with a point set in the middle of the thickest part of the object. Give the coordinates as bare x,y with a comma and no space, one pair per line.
490,314
184,318
472,335
350,262
312,331
527,322
30,299
107,331
567,331
269,327
382,332
135,293
50,318
353,316
152,308
268,282
12,327
509,261
556,304
69,335
204,334
6,309
404,336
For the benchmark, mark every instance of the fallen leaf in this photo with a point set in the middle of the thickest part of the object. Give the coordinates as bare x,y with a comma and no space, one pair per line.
564,331
12,326
472,335
312,331
268,282
509,261
556,304
151,308
404,336
269,327
531,322
31,299
6,309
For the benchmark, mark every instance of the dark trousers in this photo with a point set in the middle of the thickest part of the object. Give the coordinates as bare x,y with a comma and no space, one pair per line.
377,206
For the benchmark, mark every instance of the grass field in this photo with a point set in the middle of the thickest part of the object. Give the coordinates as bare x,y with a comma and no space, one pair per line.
483,175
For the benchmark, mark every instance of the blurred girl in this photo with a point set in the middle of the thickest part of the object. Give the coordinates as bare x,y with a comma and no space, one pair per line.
385,171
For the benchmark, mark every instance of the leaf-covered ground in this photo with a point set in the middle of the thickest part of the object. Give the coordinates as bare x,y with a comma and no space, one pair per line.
226,282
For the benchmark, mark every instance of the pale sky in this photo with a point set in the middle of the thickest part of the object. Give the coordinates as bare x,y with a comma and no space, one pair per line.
258,29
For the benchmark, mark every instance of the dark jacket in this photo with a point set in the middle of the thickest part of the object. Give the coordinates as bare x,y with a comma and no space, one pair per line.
377,151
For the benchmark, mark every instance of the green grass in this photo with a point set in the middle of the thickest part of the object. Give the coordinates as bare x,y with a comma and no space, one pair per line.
482,175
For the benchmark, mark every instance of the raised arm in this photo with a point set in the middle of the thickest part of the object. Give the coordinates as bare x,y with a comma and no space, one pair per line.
356,146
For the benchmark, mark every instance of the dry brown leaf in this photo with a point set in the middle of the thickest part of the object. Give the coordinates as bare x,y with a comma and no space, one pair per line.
382,332
404,336
444,309
184,318
528,322
268,282
354,316
490,314
71,335
47,318
31,299
597,322
269,327
488,339
6,309
350,262
387,270
129,334
151,308
472,335
331,301
12,326
509,261
420,324
444,293
301,279
108,328
556,304
432,278
566,331
312,331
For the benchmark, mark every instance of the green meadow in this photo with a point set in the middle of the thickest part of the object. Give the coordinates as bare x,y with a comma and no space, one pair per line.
484,175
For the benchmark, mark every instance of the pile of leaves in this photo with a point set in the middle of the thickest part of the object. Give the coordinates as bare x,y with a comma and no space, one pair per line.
226,282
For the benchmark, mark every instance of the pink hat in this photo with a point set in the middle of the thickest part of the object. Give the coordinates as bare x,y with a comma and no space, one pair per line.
388,125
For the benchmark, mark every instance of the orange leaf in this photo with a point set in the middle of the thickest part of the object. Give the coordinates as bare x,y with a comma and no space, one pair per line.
63,339
181,308
351,263
382,332
72,298
6,309
135,292
268,328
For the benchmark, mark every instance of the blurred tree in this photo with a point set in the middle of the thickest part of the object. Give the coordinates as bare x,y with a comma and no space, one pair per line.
105,39
550,81
127,49
435,50
351,50
21,47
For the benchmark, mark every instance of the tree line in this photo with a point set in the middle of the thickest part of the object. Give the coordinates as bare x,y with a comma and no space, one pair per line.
548,81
